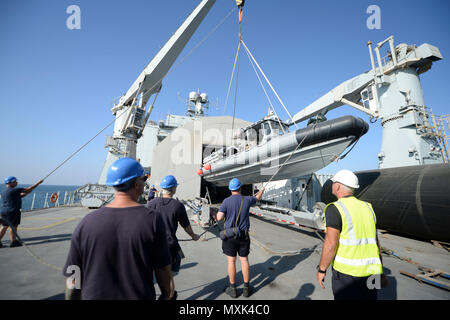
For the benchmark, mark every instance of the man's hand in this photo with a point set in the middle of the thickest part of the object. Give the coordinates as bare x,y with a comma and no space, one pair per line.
321,279
195,237
260,193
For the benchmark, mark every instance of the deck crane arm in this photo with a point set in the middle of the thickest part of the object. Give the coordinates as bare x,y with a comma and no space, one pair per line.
130,109
364,88
348,92
391,91
149,80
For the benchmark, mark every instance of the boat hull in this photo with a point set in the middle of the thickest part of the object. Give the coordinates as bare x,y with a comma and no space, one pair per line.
318,145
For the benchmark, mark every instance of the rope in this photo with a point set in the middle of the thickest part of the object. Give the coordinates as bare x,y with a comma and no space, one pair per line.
191,239
36,257
79,149
286,253
354,144
303,193
268,82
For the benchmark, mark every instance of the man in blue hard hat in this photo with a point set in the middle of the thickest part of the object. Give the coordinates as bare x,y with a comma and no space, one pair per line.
12,203
118,247
173,213
235,210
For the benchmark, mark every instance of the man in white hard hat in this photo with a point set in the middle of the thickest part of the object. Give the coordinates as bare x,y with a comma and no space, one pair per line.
351,245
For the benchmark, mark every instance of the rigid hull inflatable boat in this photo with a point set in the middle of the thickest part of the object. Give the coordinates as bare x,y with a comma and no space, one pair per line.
266,145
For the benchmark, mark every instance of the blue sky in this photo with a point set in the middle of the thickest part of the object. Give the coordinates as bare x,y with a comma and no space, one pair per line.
57,84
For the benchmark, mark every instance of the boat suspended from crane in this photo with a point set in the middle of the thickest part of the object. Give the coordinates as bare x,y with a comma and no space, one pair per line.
262,147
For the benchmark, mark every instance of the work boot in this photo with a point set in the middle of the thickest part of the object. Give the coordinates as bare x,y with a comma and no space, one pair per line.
247,292
15,243
231,291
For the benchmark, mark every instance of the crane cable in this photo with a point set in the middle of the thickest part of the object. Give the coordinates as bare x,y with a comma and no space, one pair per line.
240,4
265,92
268,82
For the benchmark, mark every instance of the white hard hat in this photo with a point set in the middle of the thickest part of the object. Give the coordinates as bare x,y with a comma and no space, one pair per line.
347,178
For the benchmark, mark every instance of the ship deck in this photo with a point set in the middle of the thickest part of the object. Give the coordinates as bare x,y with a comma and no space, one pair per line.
282,259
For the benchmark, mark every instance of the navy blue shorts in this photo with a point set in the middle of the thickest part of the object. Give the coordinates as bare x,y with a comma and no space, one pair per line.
231,247
14,219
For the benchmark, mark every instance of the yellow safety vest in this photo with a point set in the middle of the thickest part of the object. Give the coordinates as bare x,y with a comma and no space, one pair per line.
357,253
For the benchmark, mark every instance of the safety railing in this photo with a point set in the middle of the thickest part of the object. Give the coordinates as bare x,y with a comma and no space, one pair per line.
43,200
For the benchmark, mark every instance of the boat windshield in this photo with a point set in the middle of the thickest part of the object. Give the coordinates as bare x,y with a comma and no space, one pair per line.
277,130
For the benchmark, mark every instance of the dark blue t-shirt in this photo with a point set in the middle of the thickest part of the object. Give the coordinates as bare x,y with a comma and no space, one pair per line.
172,213
117,250
230,206
12,201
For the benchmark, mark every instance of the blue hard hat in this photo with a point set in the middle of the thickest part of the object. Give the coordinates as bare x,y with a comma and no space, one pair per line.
234,184
168,182
123,170
10,179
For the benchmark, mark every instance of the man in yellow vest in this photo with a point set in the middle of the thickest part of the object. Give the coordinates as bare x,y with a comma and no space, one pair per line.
351,244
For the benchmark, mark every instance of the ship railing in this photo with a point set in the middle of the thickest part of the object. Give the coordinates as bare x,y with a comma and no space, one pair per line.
441,125
439,128
41,200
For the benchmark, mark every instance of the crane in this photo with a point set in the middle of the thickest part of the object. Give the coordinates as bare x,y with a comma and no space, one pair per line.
390,91
130,110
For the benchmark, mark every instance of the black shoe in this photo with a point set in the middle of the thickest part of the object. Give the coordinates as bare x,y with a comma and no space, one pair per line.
247,292
1,244
175,295
232,292
15,244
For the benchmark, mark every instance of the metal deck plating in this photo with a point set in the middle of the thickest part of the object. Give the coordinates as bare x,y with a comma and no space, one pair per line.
282,258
